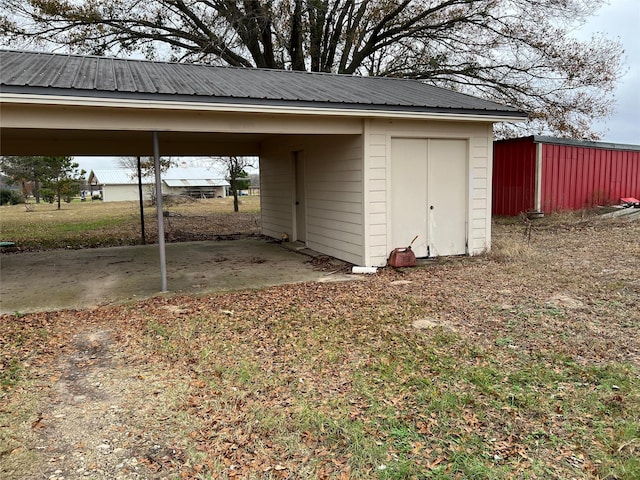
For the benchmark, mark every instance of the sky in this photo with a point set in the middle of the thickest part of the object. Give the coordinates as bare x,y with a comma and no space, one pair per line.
619,19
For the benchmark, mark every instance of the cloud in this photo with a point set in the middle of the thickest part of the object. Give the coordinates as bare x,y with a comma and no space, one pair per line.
620,19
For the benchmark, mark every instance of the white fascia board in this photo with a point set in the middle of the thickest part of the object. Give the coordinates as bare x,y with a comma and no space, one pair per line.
63,100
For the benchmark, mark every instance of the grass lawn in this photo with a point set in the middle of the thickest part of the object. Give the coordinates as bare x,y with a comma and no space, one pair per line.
96,223
522,363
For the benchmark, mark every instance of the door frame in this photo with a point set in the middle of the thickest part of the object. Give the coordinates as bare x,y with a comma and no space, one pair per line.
466,190
297,159
389,186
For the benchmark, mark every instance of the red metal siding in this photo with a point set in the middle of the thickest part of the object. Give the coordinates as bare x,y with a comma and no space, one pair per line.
579,177
514,176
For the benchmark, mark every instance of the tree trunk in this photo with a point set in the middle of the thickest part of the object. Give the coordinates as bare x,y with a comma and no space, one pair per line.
236,206
36,189
295,48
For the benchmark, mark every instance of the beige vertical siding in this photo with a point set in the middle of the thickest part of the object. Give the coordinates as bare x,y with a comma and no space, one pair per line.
334,192
276,201
481,162
378,182
348,184
378,135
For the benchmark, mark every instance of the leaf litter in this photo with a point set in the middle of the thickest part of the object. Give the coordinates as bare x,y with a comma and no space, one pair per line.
528,367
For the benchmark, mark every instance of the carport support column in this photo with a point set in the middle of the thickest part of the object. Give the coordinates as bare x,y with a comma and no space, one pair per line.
163,258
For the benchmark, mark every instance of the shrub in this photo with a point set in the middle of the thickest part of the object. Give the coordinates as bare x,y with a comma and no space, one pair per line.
47,195
10,197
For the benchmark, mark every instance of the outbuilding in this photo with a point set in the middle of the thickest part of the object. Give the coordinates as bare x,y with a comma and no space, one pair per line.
121,184
545,174
350,166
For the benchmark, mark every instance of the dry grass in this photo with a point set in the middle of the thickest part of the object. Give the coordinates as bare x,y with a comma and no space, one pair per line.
509,248
101,224
529,367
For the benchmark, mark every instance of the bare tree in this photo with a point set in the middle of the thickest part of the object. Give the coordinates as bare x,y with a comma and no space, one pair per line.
235,170
147,164
144,167
519,52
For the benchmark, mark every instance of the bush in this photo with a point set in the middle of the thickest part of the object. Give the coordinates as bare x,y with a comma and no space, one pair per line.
47,195
10,197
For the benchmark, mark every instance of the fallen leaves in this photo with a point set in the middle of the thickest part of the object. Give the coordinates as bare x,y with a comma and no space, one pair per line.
337,380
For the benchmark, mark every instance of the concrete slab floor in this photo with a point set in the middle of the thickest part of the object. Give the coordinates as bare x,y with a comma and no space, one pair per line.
61,279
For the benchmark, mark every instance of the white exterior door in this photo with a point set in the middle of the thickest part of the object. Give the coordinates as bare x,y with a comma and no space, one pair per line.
447,187
429,195
300,197
409,193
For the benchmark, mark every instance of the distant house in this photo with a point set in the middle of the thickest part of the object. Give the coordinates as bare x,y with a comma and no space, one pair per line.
121,184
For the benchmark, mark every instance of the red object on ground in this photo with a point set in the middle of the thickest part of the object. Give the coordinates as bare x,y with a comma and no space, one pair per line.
402,257
630,200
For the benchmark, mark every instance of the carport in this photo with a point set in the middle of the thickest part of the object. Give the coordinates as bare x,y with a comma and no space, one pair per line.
119,275
350,166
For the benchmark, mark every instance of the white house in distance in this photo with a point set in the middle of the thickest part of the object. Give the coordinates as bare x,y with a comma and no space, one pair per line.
121,184
350,166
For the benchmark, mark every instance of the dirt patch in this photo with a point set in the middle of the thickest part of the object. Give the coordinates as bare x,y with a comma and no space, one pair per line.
429,323
94,420
564,301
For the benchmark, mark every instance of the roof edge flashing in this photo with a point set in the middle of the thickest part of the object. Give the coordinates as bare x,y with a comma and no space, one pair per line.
542,139
376,111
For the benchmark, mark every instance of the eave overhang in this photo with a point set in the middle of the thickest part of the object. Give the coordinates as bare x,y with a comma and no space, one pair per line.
9,97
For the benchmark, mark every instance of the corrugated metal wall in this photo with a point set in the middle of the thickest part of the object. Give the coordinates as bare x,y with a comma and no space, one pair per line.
573,176
514,176
578,177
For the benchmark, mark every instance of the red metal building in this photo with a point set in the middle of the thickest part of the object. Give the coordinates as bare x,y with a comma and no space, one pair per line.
545,174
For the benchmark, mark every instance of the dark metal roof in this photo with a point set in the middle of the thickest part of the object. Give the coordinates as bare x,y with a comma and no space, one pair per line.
574,143
73,75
